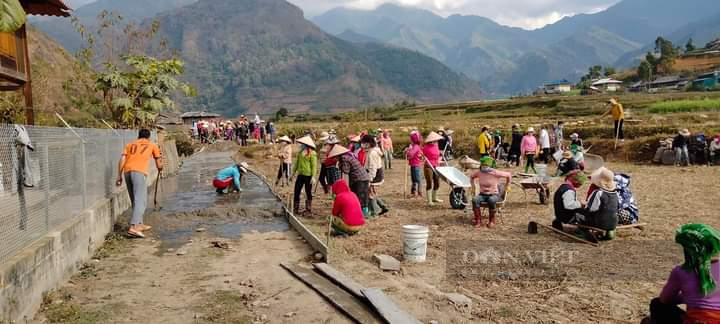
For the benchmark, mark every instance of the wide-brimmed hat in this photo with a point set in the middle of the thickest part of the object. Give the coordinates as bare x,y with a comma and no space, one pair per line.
433,137
574,135
332,131
332,139
567,155
307,141
243,166
323,136
354,138
684,132
285,139
450,132
531,130
337,151
603,178
613,101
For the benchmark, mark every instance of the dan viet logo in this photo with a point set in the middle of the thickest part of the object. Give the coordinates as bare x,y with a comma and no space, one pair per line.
493,256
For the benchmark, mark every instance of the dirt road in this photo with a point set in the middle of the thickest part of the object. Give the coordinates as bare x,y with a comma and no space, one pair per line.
179,275
667,197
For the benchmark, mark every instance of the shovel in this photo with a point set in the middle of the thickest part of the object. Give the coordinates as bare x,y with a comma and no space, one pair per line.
157,185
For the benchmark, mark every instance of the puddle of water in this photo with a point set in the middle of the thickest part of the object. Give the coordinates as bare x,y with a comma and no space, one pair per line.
190,202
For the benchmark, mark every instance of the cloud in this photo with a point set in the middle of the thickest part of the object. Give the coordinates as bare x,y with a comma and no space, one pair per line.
520,13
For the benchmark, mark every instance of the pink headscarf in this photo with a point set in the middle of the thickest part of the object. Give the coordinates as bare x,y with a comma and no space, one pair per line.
415,137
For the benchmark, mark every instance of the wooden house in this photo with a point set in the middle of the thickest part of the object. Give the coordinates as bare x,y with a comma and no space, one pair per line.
14,57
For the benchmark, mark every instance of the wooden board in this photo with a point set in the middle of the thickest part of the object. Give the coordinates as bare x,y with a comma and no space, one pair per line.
341,299
387,308
344,281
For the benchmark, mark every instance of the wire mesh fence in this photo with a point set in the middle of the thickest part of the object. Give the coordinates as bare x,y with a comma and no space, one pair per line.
66,172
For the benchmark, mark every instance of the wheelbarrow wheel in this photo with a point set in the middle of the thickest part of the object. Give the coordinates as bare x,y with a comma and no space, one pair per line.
458,199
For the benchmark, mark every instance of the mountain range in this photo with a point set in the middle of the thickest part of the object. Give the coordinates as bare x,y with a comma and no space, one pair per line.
263,55
509,60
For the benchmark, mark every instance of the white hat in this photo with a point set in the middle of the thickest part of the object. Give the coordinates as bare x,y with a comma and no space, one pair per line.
433,137
531,130
603,178
307,141
337,151
323,136
243,166
684,132
574,135
332,139
285,139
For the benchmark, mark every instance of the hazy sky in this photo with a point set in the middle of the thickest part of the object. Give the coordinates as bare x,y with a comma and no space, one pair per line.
520,13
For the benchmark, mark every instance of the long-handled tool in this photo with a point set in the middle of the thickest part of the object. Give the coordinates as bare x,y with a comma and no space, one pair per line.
532,229
407,168
157,185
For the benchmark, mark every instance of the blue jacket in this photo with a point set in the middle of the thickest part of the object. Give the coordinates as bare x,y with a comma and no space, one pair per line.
230,172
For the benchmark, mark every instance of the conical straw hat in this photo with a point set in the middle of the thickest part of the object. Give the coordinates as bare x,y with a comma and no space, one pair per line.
307,141
337,151
433,137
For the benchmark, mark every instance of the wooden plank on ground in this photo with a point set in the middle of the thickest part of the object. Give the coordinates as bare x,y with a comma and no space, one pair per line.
387,308
339,278
343,300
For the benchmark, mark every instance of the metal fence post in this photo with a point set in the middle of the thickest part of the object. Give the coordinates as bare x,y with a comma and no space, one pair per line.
83,174
46,178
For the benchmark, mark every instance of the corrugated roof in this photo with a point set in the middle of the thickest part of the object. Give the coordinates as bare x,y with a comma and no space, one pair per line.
667,79
46,8
557,82
606,81
199,114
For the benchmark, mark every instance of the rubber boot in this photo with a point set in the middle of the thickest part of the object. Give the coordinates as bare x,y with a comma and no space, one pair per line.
430,201
383,207
296,207
435,198
478,218
372,209
491,222
308,208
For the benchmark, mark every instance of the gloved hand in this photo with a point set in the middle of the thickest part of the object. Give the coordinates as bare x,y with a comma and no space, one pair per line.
312,181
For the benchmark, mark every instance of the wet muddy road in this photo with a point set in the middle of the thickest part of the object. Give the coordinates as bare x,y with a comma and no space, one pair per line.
189,202
178,275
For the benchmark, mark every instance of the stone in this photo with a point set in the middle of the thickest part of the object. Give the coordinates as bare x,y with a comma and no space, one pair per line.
459,299
434,322
200,230
291,314
181,252
386,262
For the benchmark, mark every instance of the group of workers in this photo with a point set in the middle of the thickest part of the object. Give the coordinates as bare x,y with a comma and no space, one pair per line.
210,131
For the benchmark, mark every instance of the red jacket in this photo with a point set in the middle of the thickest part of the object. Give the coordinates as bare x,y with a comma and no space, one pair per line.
347,204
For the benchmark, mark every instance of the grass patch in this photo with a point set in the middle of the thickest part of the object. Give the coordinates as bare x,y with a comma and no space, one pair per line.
224,306
114,244
58,308
685,106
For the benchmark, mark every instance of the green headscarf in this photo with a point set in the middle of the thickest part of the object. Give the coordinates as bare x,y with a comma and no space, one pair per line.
578,177
574,148
700,243
487,161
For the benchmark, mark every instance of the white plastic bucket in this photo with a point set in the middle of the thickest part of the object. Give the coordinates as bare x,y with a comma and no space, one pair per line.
415,239
541,170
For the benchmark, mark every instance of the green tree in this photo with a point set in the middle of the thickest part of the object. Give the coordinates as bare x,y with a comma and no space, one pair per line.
609,71
282,112
644,70
594,72
689,47
142,90
12,16
668,54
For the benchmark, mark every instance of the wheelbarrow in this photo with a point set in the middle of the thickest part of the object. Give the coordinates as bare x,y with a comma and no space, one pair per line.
458,181
540,184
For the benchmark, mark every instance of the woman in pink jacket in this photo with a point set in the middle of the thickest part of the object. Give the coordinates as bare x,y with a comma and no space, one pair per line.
432,156
347,216
529,149
415,160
